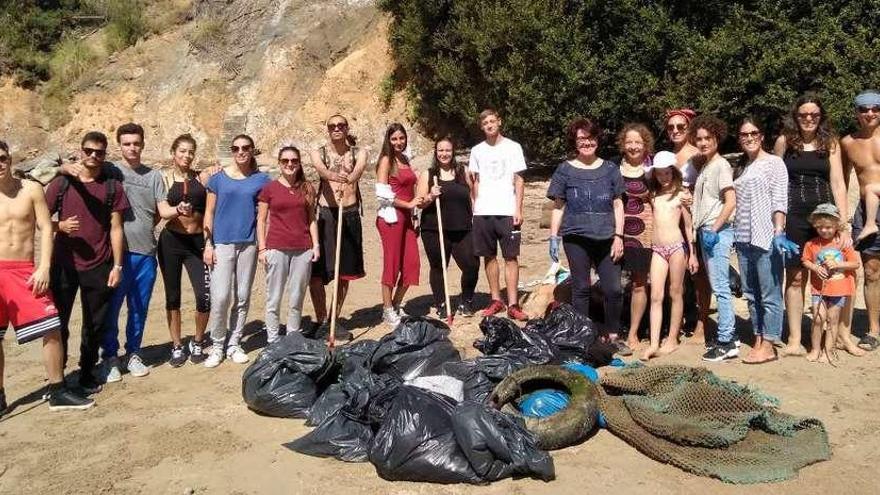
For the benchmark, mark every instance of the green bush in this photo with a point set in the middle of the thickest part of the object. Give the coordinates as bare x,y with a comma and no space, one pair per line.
125,22
542,62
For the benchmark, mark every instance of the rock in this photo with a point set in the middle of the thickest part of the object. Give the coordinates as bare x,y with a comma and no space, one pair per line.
546,211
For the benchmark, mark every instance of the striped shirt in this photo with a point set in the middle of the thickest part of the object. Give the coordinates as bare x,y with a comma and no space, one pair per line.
761,191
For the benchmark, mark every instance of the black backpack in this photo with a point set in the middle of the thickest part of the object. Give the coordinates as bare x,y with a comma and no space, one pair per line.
110,198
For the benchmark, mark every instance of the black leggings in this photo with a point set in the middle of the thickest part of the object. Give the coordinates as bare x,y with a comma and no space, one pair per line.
459,246
177,250
583,253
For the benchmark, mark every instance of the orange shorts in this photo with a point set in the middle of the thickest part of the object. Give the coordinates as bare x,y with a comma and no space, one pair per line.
31,316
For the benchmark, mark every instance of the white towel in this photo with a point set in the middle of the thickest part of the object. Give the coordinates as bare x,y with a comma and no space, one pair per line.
385,199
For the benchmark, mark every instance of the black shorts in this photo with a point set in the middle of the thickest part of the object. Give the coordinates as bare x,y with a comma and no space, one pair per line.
490,231
869,245
798,230
351,259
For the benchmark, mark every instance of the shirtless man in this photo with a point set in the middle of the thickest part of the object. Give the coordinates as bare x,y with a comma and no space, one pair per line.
861,150
339,165
24,289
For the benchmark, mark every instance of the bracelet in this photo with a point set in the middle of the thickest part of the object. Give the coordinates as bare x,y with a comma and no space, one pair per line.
117,267
619,236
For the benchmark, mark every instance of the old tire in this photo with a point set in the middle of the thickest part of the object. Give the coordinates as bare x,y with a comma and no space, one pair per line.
565,428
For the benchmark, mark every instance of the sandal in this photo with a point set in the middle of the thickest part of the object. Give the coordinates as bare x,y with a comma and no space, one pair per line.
869,342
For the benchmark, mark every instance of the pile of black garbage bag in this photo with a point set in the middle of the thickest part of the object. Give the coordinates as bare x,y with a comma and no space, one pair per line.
410,405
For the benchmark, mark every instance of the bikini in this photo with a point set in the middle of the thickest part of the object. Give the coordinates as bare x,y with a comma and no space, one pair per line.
666,251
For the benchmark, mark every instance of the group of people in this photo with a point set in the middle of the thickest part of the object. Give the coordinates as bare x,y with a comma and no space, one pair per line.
670,219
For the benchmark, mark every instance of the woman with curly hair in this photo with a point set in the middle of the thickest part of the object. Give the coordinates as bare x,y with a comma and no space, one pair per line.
714,203
812,156
636,145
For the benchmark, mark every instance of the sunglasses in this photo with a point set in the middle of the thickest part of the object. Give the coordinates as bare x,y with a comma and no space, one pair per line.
289,161
338,126
866,109
246,148
99,153
809,115
750,134
677,127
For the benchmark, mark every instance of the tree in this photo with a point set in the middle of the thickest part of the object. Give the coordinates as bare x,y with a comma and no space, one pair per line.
543,62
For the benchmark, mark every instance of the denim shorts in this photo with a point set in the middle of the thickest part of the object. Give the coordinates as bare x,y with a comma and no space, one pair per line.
839,301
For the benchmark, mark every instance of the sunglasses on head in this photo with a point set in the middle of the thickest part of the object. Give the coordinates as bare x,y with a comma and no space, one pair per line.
676,127
866,109
337,126
289,161
99,153
246,148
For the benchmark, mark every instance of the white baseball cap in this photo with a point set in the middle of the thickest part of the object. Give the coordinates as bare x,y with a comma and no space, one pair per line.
664,159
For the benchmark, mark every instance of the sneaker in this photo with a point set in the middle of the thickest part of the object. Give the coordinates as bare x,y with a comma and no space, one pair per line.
65,399
88,384
137,367
465,308
401,313
440,312
178,357
721,351
237,355
196,352
214,358
494,308
514,312
109,371
390,317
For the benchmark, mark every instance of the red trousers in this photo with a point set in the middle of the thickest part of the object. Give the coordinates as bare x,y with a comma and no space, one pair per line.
400,250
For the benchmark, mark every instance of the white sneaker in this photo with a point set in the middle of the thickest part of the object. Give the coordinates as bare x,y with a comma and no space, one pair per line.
390,317
401,313
215,357
237,355
137,367
110,372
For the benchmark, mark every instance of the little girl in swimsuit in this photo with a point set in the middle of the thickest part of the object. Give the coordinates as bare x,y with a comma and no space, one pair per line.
673,250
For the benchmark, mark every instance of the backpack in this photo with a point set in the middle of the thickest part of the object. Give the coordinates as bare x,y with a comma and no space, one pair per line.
109,183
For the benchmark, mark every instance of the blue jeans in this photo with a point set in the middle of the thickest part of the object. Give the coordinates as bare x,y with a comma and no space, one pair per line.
138,277
762,273
717,263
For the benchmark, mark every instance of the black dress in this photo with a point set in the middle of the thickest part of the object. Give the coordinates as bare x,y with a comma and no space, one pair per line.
809,184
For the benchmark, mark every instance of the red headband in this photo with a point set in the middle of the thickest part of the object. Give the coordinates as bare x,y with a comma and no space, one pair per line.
687,113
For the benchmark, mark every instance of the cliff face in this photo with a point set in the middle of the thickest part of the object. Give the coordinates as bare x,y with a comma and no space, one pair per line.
274,69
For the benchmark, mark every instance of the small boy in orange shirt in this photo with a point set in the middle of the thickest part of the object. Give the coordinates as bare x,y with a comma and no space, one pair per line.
832,277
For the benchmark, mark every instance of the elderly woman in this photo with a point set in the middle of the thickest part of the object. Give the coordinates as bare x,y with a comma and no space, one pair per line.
588,220
636,145
812,157
762,201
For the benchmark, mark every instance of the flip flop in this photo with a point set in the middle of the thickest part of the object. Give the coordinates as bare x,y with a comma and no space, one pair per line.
869,342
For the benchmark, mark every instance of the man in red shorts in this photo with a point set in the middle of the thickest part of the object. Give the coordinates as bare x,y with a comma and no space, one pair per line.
24,298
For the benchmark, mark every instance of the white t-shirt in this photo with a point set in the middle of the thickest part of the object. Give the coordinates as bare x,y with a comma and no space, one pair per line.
496,166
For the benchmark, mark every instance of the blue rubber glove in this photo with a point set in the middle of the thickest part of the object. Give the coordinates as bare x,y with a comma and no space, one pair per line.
785,247
708,239
554,248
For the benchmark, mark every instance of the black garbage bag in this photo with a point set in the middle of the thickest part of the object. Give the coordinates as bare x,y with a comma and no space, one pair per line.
286,377
354,355
569,331
344,430
326,405
416,441
417,347
427,437
502,337
498,446
481,374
